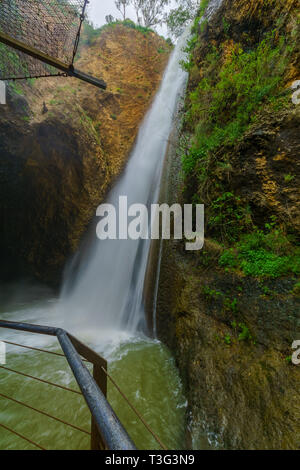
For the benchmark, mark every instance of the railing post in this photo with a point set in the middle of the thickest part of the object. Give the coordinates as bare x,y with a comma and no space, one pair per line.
101,379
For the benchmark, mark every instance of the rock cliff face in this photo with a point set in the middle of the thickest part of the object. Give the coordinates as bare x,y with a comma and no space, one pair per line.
231,312
62,144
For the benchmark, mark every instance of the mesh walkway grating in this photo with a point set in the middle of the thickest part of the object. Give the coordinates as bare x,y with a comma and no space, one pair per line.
51,26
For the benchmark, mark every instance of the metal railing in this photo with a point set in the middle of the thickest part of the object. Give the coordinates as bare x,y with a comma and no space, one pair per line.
107,432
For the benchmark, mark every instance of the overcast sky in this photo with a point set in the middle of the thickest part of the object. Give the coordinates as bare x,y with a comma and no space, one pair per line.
98,9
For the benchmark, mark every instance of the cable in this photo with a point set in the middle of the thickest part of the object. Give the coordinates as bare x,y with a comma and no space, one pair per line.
22,437
136,411
41,380
40,350
45,414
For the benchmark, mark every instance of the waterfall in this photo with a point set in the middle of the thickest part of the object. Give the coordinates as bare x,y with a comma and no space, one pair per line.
211,9
103,286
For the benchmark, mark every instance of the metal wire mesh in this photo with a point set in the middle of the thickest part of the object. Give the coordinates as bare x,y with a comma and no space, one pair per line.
51,26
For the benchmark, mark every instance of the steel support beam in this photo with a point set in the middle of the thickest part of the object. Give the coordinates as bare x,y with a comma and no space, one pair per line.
37,54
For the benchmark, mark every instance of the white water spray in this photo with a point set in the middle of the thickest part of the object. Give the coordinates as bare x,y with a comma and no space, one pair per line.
104,285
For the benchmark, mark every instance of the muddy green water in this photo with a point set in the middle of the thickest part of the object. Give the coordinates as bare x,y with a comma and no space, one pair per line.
143,368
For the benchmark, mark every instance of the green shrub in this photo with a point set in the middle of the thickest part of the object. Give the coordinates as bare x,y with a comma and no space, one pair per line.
226,98
227,340
296,289
203,6
288,178
231,305
161,50
228,259
245,334
263,255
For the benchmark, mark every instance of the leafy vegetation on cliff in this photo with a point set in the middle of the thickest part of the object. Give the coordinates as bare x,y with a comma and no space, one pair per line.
233,82
262,254
222,105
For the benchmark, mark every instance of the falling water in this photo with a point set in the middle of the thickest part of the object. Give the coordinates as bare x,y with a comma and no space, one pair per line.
104,287
211,9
